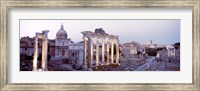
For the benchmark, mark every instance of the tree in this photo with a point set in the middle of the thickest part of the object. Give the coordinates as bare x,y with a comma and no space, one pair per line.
151,52
177,45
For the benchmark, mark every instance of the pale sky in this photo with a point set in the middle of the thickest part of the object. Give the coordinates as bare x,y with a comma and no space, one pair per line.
160,31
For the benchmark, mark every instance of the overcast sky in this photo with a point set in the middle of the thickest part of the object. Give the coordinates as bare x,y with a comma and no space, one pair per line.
160,31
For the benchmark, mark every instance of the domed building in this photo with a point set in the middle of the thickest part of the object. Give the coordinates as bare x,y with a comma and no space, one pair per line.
61,43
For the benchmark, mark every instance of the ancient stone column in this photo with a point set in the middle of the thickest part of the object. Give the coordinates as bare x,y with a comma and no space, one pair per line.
117,52
90,51
44,54
97,52
44,50
103,50
85,53
35,54
108,56
112,51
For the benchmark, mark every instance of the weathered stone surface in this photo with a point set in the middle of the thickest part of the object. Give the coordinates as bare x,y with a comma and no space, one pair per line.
77,67
66,67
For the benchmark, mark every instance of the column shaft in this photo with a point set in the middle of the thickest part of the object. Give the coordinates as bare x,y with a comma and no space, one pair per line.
103,50
117,52
35,55
108,56
85,53
97,52
44,54
90,49
112,51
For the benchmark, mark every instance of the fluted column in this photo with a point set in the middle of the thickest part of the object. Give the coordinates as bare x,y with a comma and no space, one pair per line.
85,53
103,50
108,56
112,51
44,54
117,52
44,50
97,52
35,55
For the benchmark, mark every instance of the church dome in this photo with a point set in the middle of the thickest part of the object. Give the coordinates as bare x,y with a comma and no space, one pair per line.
61,34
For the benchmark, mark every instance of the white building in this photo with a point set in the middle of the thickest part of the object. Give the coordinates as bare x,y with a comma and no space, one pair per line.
171,51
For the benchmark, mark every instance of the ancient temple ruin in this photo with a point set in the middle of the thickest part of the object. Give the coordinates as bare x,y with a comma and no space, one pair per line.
170,51
98,45
44,38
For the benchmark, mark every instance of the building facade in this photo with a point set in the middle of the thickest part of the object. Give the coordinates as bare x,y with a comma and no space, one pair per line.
61,43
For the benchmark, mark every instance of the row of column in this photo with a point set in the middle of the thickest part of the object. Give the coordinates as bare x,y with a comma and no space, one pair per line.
44,37
88,48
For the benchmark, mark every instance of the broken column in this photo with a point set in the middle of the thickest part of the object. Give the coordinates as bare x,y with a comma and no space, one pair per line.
35,54
44,50
44,37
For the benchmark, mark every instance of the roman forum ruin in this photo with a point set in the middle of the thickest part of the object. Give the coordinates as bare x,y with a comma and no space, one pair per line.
97,51
171,51
89,39
44,38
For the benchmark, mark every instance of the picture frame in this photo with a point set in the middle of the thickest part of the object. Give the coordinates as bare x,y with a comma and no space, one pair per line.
4,44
